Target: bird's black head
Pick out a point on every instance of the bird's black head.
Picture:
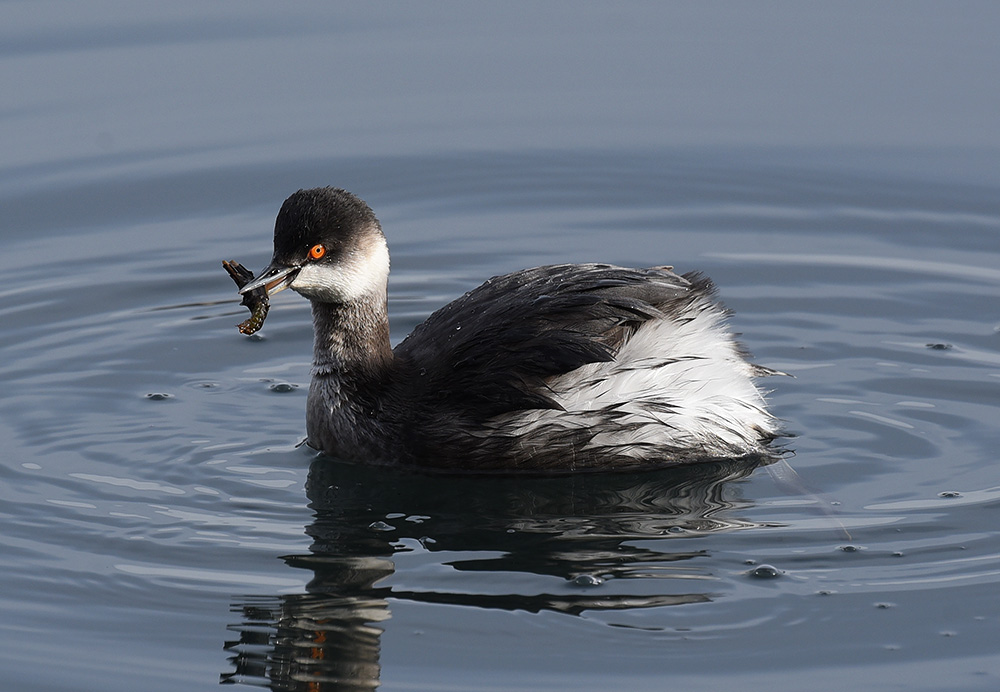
(328, 246)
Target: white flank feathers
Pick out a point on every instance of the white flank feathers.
(677, 383)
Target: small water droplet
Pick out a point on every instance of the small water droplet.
(587, 580)
(939, 347)
(950, 493)
(898, 553)
(282, 387)
(765, 572)
(675, 529)
(158, 396)
(825, 592)
(851, 548)
(749, 562)
(381, 526)
(885, 606)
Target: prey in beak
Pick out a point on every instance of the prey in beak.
(255, 292)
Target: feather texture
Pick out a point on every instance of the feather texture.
(582, 366)
(557, 368)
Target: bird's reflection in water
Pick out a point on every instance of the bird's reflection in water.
(580, 528)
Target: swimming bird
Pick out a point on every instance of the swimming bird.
(567, 367)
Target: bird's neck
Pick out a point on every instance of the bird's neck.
(351, 339)
(352, 373)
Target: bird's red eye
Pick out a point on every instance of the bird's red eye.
(317, 251)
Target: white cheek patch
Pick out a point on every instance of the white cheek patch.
(362, 273)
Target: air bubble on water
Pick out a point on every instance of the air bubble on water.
(851, 548)
(950, 493)
(381, 526)
(158, 396)
(282, 387)
(587, 580)
(765, 572)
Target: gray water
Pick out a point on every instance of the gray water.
(834, 169)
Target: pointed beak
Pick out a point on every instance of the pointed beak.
(273, 279)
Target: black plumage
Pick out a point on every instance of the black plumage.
(484, 383)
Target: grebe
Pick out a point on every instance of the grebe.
(559, 368)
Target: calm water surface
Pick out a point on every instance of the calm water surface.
(163, 528)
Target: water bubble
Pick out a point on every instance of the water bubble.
(158, 396)
(282, 387)
(950, 493)
(587, 580)
(851, 548)
(765, 572)
(939, 347)
(381, 526)
(885, 606)
(825, 592)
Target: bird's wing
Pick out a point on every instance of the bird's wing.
(490, 351)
